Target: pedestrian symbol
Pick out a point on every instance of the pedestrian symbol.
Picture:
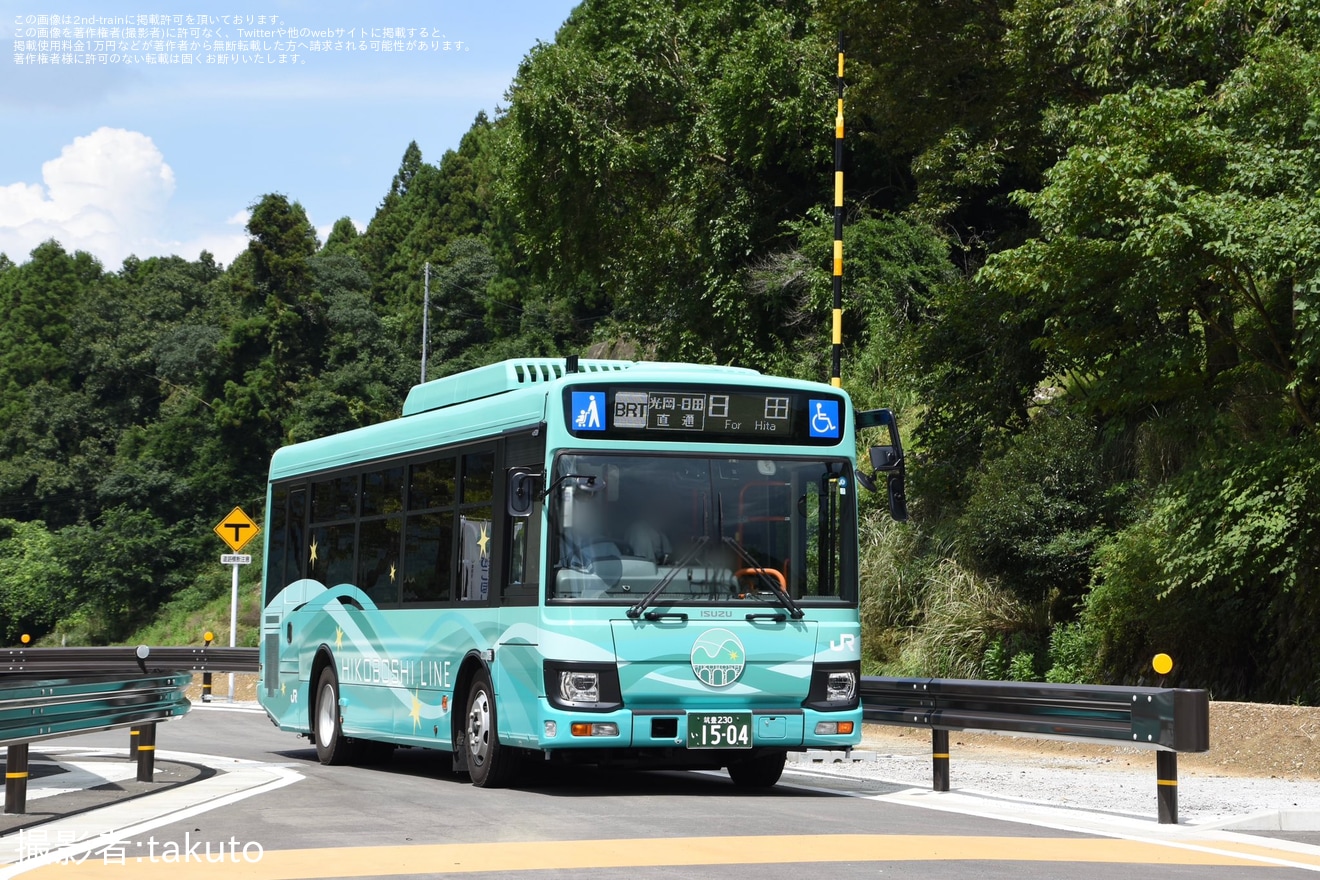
(237, 529)
(586, 410)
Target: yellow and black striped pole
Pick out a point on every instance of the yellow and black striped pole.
(836, 375)
(16, 778)
(939, 759)
(146, 754)
(206, 676)
(1166, 787)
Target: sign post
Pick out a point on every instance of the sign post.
(236, 530)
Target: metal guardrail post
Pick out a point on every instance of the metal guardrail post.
(146, 754)
(939, 756)
(1166, 787)
(1164, 720)
(16, 778)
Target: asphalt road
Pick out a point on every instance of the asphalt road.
(240, 798)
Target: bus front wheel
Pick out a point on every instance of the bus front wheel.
(489, 764)
(332, 747)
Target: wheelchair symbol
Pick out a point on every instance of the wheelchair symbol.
(823, 422)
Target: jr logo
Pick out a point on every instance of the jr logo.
(846, 642)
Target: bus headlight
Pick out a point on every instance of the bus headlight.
(834, 686)
(579, 687)
(572, 684)
(841, 687)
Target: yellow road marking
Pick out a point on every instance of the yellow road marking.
(466, 858)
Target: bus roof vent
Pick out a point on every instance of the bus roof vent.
(496, 379)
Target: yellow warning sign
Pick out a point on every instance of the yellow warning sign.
(237, 529)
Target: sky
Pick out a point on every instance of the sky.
(188, 113)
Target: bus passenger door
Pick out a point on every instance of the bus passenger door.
(518, 679)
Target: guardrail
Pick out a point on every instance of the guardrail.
(144, 659)
(52, 692)
(1166, 720)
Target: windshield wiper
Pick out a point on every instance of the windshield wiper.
(642, 603)
(794, 609)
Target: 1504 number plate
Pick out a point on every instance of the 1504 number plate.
(719, 730)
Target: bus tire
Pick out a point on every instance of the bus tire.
(332, 747)
(762, 771)
(490, 765)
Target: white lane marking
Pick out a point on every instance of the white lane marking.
(243, 708)
(97, 829)
(78, 775)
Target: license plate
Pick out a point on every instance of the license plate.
(719, 730)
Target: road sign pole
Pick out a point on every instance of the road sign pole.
(236, 530)
(233, 624)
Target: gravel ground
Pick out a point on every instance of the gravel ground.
(1226, 784)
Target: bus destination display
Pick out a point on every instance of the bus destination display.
(732, 414)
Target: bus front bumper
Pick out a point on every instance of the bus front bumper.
(699, 730)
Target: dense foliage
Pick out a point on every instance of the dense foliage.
(1081, 263)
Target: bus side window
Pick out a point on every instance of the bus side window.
(476, 505)
(428, 541)
(521, 555)
(295, 555)
(277, 525)
(522, 582)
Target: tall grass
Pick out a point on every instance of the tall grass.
(204, 606)
(925, 614)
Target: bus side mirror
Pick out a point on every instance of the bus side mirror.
(522, 491)
(897, 497)
(887, 459)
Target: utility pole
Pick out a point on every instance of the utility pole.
(426, 312)
(836, 374)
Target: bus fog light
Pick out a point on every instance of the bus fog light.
(600, 728)
(833, 728)
(551, 729)
(841, 687)
(580, 687)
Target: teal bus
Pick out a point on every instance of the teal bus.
(646, 565)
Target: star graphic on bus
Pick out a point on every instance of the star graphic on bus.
(313, 557)
(416, 713)
(393, 572)
(339, 638)
(484, 542)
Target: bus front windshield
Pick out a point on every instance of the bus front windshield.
(696, 529)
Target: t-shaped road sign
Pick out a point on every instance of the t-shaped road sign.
(237, 529)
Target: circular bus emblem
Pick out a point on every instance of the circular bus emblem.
(717, 658)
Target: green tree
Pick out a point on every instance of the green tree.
(30, 572)
(278, 339)
(654, 152)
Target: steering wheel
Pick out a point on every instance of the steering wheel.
(770, 572)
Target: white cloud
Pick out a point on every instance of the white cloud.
(106, 194)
